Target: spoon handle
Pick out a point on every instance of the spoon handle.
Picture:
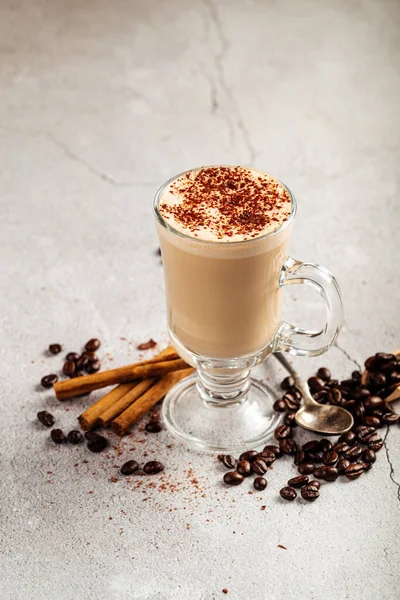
(300, 383)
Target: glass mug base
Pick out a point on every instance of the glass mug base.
(227, 427)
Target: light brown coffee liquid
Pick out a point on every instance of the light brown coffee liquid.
(226, 303)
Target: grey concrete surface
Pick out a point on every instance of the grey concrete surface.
(100, 103)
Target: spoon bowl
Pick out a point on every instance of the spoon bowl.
(326, 419)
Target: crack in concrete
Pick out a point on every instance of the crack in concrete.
(220, 68)
(347, 355)
(93, 170)
(391, 473)
(70, 154)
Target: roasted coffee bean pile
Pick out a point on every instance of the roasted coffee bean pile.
(350, 455)
(75, 364)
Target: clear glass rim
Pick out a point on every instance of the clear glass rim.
(215, 243)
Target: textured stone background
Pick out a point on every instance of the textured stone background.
(100, 103)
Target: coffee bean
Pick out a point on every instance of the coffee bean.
(324, 374)
(340, 447)
(333, 383)
(335, 397)
(227, 460)
(342, 465)
(275, 449)
(388, 390)
(249, 455)
(282, 432)
(306, 468)
(315, 483)
(376, 381)
(57, 435)
(377, 413)
(371, 421)
(287, 383)
(267, 457)
(298, 482)
(395, 377)
(315, 384)
(288, 493)
(330, 458)
(330, 474)
(260, 484)
(364, 432)
(129, 467)
(313, 457)
(361, 393)
(348, 404)
(74, 437)
(359, 413)
(354, 470)
(290, 419)
(300, 457)
(153, 467)
(233, 478)
(93, 366)
(390, 418)
(153, 426)
(288, 446)
(356, 375)
(72, 356)
(69, 368)
(370, 364)
(92, 345)
(383, 358)
(348, 384)
(49, 380)
(82, 362)
(244, 468)
(319, 472)
(369, 456)
(259, 467)
(46, 418)
(353, 453)
(375, 444)
(309, 493)
(373, 402)
(298, 393)
(324, 445)
(91, 356)
(291, 401)
(55, 348)
(311, 446)
(322, 397)
(97, 443)
(390, 367)
(280, 406)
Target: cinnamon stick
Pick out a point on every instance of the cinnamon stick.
(116, 408)
(142, 405)
(91, 417)
(88, 383)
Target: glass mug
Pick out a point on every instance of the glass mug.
(224, 317)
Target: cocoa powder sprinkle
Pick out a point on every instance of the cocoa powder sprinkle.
(228, 202)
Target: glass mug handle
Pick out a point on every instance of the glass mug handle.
(303, 342)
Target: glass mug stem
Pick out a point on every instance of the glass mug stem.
(223, 390)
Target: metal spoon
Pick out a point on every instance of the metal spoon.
(321, 418)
